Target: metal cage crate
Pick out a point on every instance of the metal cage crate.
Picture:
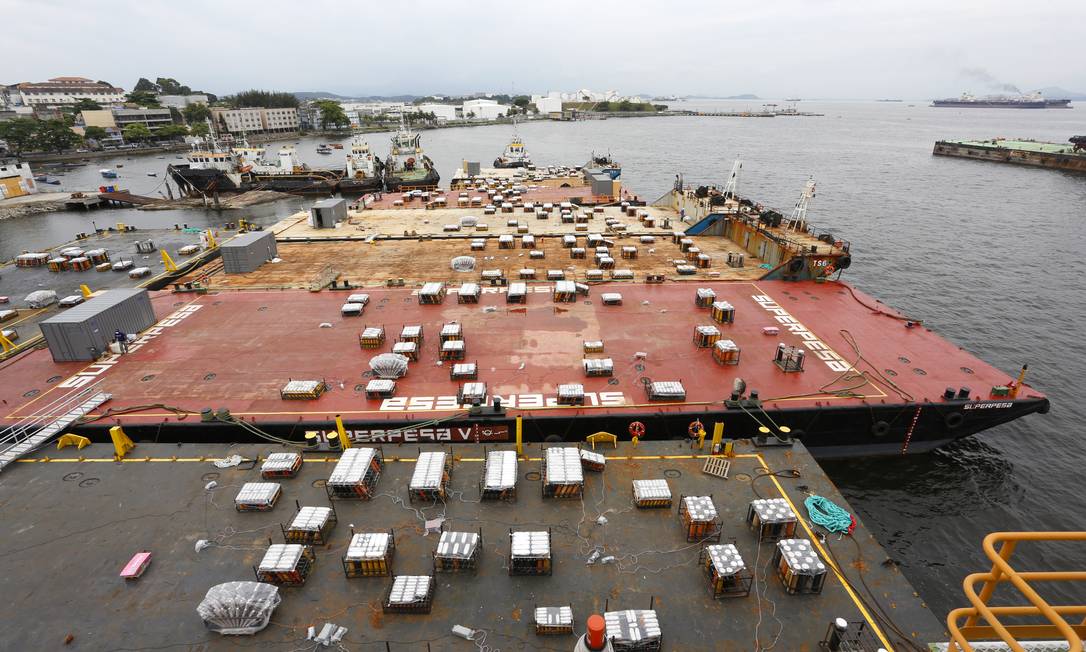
(302, 390)
(633, 630)
(553, 620)
(704, 297)
(464, 371)
(257, 496)
(452, 350)
(571, 394)
(706, 336)
(592, 346)
(473, 393)
(499, 481)
(355, 474)
(432, 293)
(286, 564)
(651, 493)
(370, 554)
(458, 551)
(380, 388)
(666, 390)
(592, 461)
(772, 518)
(409, 594)
(726, 570)
(281, 465)
(530, 553)
(517, 293)
(565, 292)
(411, 333)
(798, 566)
(722, 312)
(562, 474)
(310, 525)
(371, 337)
(699, 518)
(451, 331)
(595, 367)
(430, 477)
(468, 293)
(726, 352)
(409, 350)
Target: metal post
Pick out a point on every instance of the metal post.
(520, 438)
(344, 440)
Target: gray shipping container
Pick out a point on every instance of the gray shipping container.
(602, 184)
(84, 332)
(327, 212)
(472, 168)
(248, 251)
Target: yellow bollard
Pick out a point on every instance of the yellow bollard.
(86, 291)
(121, 443)
(520, 438)
(718, 436)
(72, 440)
(701, 439)
(344, 440)
(634, 440)
(729, 448)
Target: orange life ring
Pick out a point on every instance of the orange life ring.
(694, 428)
(637, 429)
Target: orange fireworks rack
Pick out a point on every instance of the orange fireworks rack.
(430, 477)
(257, 496)
(499, 481)
(722, 312)
(562, 475)
(771, 518)
(553, 620)
(409, 594)
(458, 551)
(706, 336)
(372, 337)
(726, 352)
(651, 493)
(530, 553)
(356, 474)
(798, 566)
(699, 518)
(286, 564)
(311, 525)
(281, 465)
(726, 570)
(369, 554)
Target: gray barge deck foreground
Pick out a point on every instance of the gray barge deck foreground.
(71, 525)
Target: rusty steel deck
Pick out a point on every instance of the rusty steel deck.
(71, 526)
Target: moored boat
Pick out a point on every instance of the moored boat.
(363, 170)
(407, 166)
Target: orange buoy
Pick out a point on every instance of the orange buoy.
(596, 630)
(694, 428)
(637, 429)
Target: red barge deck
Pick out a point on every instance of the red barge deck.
(870, 383)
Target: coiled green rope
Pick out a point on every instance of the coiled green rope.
(827, 514)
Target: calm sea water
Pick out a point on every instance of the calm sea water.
(988, 255)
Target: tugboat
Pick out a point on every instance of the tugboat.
(604, 163)
(324, 149)
(363, 172)
(515, 156)
(407, 166)
(107, 173)
(211, 169)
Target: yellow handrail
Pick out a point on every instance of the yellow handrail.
(1002, 571)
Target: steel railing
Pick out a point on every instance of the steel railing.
(1053, 622)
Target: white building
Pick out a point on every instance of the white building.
(60, 91)
(484, 109)
(548, 104)
(16, 180)
(181, 101)
(442, 111)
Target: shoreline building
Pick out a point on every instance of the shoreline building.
(256, 120)
(62, 91)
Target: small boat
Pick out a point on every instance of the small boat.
(152, 174)
(160, 157)
(324, 150)
(120, 165)
(179, 156)
(41, 178)
(515, 155)
(336, 145)
(107, 173)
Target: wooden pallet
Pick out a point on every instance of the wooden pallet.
(717, 466)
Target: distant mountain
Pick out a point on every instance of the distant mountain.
(1057, 93)
(318, 95)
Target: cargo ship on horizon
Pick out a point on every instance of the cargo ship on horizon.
(1031, 101)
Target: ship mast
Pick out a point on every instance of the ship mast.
(731, 189)
(799, 212)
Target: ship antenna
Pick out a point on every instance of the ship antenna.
(799, 212)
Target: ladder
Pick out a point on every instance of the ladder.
(36, 430)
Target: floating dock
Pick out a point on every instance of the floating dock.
(98, 513)
(1058, 156)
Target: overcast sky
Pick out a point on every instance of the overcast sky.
(813, 48)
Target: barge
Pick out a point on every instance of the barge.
(1057, 156)
(578, 313)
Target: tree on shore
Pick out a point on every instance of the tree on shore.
(171, 131)
(332, 114)
(263, 99)
(29, 134)
(142, 98)
(199, 129)
(197, 112)
(97, 134)
(86, 104)
(136, 133)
